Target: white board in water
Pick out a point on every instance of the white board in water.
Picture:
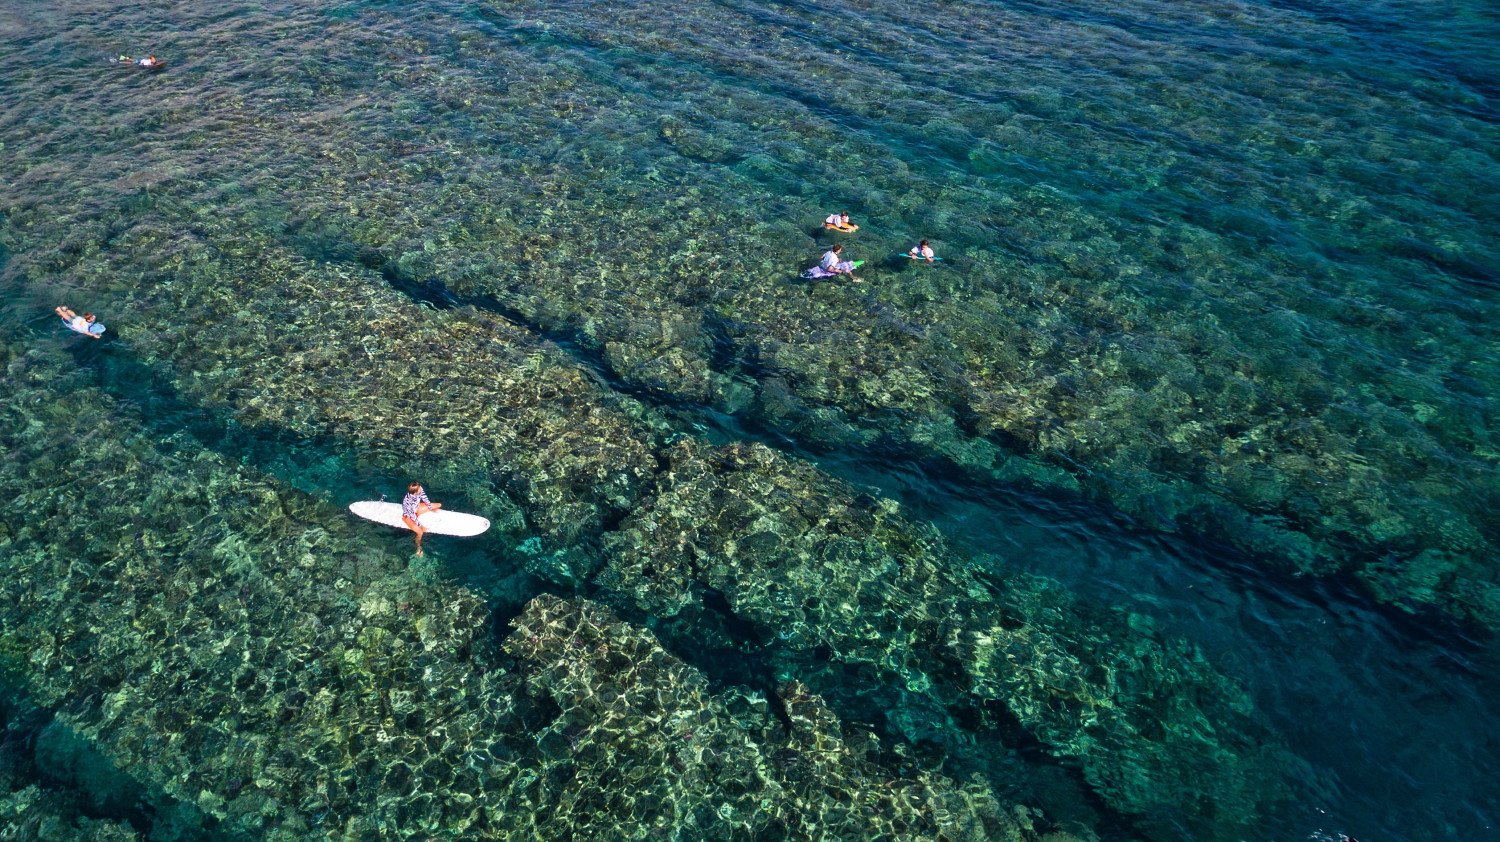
(86, 330)
(440, 522)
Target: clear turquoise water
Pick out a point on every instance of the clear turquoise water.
(1211, 350)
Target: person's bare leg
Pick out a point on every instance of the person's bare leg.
(411, 523)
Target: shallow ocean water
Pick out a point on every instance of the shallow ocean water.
(1211, 350)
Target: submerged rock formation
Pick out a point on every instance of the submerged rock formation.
(816, 570)
(239, 649)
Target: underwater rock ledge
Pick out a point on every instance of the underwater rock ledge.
(608, 502)
(244, 652)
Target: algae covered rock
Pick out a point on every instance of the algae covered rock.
(1199, 368)
(638, 735)
(1155, 729)
(230, 654)
(838, 590)
(817, 571)
(362, 259)
(219, 652)
(80, 797)
(461, 398)
(35, 813)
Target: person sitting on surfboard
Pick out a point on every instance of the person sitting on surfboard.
(414, 505)
(922, 250)
(839, 222)
(84, 324)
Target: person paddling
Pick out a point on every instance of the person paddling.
(833, 263)
(840, 222)
(922, 251)
(413, 506)
(84, 324)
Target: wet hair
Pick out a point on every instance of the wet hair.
(924, 242)
(88, 317)
(838, 247)
(843, 213)
(412, 488)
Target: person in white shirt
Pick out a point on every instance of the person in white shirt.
(833, 263)
(839, 222)
(922, 251)
(84, 324)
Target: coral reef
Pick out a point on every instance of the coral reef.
(1197, 370)
(498, 247)
(462, 399)
(1156, 730)
(56, 810)
(1231, 312)
(798, 556)
(243, 652)
(640, 734)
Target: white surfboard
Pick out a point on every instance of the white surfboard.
(440, 522)
(86, 330)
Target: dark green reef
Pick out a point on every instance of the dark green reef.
(516, 249)
(273, 637)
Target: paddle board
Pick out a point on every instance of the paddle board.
(820, 272)
(86, 330)
(923, 259)
(440, 522)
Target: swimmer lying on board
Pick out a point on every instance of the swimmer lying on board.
(833, 264)
(839, 222)
(84, 324)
